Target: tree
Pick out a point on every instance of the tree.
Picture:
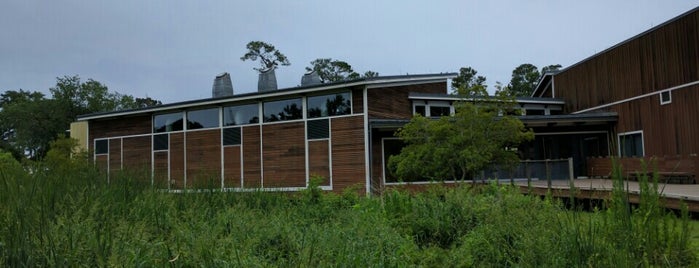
(459, 146)
(550, 69)
(524, 80)
(146, 102)
(268, 55)
(331, 70)
(468, 84)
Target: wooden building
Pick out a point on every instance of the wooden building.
(651, 81)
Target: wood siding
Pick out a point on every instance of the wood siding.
(662, 58)
(283, 147)
(122, 126)
(231, 166)
(177, 176)
(114, 154)
(348, 166)
(204, 159)
(393, 102)
(160, 169)
(319, 160)
(251, 157)
(137, 154)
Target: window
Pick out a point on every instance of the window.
(535, 112)
(282, 110)
(665, 97)
(438, 111)
(241, 115)
(420, 109)
(318, 129)
(167, 122)
(231, 136)
(391, 147)
(161, 142)
(329, 105)
(102, 146)
(631, 144)
(202, 118)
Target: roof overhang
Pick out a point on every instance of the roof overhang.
(368, 82)
(570, 119)
(449, 97)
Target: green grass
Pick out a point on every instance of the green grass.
(69, 216)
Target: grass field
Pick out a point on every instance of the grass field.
(67, 215)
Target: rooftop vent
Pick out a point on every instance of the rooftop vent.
(222, 86)
(310, 78)
(267, 80)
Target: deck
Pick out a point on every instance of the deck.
(674, 194)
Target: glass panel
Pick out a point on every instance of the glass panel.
(167, 122)
(282, 110)
(329, 105)
(161, 142)
(231, 136)
(631, 145)
(202, 118)
(436, 111)
(241, 115)
(318, 129)
(420, 109)
(101, 146)
(391, 147)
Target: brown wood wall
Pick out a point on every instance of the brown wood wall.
(347, 141)
(204, 158)
(660, 59)
(133, 125)
(114, 154)
(393, 102)
(251, 157)
(284, 162)
(160, 169)
(231, 166)
(177, 178)
(137, 153)
(319, 160)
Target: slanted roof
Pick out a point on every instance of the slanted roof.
(367, 81)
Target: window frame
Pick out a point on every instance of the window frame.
(218, 117)
(101, 140)
(669, 97)
(154, 118)
(327, 96)
(301, 107)
(256, 105)
(631, 133)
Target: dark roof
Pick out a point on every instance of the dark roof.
(450, 97)
(528, 120)
(280, 92)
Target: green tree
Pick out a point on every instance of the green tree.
(524, 80)
(267, 54)
(468, 83)
(371, 74)
(550, 69)
(331, 70)
(458, 146)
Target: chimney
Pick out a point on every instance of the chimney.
(310, 78)
(222, 86)
(267, 80)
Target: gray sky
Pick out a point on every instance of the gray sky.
(172, 50)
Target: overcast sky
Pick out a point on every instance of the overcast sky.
(172, 50)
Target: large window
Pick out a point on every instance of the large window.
(167, 122)
(283, 110)
(202, 118)
(329, 105)
(241, 115)
(631, 144)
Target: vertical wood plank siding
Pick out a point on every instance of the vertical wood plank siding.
(393, 102)
(319, 161)
(347, 139)
(137, 154)
(662, 58)
(251, 157)
(119, 127)
(160, 167)
(204, 159)
(114, 154)
(231, 166)
(284, 162)
(101, 161)
(177, 161)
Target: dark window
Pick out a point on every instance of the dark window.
(167, 122)
(631, 144)
(241, 115)
(329, 105)
(420, 109)
(282, 110)
(390, 148)
(231, 136)
(202, 118)
(318, 129)
(161, 142)
(437, 111)
(101, 146)
(665, 97)
(536, 112)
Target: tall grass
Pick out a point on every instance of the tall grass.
(70, 216)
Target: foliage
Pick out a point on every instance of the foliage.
(331, 70)
(456, 147)
(269, 56)
(526, 77)
(466, 83)
(29, 121)
(550, 69)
